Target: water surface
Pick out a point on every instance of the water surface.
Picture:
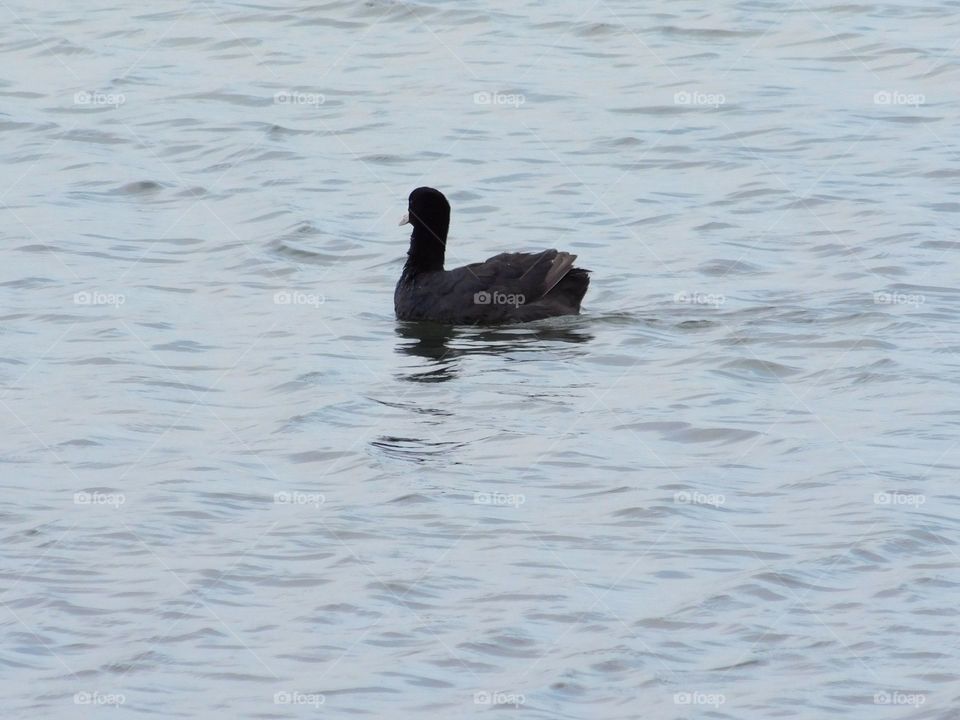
(236, 487)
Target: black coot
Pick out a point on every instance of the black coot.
(507, 288)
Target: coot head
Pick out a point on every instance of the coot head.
(429, 213)
(428, 209)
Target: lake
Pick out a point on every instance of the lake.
(235, 486)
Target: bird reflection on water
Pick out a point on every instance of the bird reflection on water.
(445, 345)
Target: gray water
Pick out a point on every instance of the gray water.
(234, 486)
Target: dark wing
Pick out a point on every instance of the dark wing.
(532, 275)
(503, 288)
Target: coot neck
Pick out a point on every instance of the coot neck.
(428, 246)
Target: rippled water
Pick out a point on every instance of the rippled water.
(234, 486)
